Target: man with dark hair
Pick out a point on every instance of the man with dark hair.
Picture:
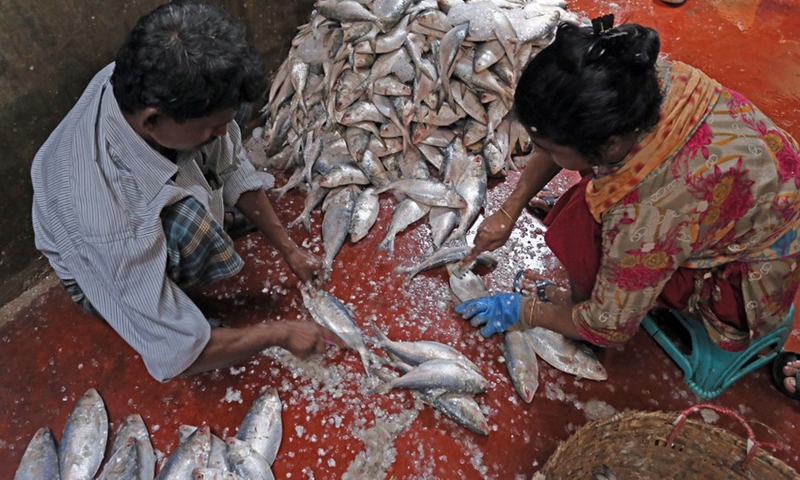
(130, 190)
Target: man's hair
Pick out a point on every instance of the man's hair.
(586, 86)
(188, 59)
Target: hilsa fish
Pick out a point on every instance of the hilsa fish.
(133, 427)
(523, 367)
(190, 454)
(262, 427)
(416, 353)
(566, 354)
(40, 460)
(438, 377)
(246, 462)
(84, 440)
(332, 314)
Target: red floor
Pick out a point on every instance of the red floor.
(333, 428)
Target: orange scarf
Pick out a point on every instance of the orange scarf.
(690, 98)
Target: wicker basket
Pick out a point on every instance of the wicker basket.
(657, 445)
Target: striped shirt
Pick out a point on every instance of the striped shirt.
(99, 189)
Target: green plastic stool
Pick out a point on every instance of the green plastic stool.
(707, 369)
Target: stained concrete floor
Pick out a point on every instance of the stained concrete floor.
(52, 353)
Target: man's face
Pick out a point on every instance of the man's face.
(190, 135)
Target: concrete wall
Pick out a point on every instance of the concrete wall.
(48, 52)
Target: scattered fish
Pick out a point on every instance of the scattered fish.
(84, 440)
(124, 463)
(246, 462)
(262, 427)
(566, 354)
(40, 460)
(523, 367)
(190, 455)
(332, 314)
(418, 352)
(468, 287)
(133, 427)
(438, 377)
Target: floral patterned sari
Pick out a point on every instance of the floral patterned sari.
(704, 220)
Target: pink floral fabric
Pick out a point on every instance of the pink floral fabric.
(730, 196)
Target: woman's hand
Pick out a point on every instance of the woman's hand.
(492, 234)
(305, 265)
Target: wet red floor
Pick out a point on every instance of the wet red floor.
(52, 352)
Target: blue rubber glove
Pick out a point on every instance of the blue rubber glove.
(495, 313)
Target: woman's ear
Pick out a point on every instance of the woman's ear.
(617, 147)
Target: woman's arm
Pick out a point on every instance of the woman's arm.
(495, 230)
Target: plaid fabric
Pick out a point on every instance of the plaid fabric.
(76, 294)
(199, 251)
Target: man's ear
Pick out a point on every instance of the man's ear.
(148, 118)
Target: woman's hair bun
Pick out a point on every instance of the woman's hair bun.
(627, 44)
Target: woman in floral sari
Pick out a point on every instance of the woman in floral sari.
(689, 196)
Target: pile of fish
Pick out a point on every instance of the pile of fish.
(200, 455)
(408, 96)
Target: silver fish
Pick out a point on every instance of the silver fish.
(336, 223)
(365, 213)
(216, 453)
(40, 460)
(246, 462)
(442, 257)
(442, 221)
(450, 45)
(262, 427)
(83, 442)
(523, 367)
(468, 287)
(472, 188)
(487, 54)
(390, 10)
(463, 409)
(344, 174)
(418, 352)
(332, 314)
(313, 198)
(391, 85)
(566, 354)
(214, 474)
(406, 212)
(438, 376)
(345, 11)
(394, 39)
(123, 464)
(429, 192)
(134, 426)
(191, 454)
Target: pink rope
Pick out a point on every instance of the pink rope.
(752, 443)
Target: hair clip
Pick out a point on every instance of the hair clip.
(602, 24)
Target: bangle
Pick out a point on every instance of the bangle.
(507, 215)
(532, 302)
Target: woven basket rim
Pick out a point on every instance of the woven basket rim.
(640, 438)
